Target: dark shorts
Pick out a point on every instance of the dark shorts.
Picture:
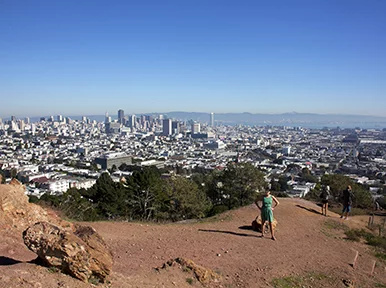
(346, 208)
(324, 201)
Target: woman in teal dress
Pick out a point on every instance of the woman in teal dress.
(267, 212)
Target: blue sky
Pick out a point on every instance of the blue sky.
(89, 57)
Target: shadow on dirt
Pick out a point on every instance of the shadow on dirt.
(6, 261)
(309, 209)
(229, 232)
(246, 227)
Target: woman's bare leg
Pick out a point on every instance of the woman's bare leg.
(272, 233)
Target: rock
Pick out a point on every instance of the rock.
(18, 212)
(348, 283)
(202, 274)
(256, 224)
(82, 254)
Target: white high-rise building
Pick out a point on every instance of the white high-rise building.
(196, 128)
(132, 121)
(211, 120)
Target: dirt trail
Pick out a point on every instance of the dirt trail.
(307, 244)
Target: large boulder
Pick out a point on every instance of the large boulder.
(82, 254)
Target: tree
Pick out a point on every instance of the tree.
(275, 186)
(212, 187)
(241, 183)
(13, 173)
(338, 183)
(2, 176)
(186, 200)
(108, 196)
(283, 183)
(76, 207)
(145, 193)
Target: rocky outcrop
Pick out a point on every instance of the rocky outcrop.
(82, 254)
(17, 213)
(15, 210)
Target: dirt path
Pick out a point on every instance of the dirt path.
(308, 244)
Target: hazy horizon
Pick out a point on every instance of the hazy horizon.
(89, 57)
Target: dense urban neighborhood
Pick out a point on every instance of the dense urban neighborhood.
(58, 153)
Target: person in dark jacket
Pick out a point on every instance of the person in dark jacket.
(347, 202)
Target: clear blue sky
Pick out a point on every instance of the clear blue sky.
(88, 57)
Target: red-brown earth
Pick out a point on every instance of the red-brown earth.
(310, 250)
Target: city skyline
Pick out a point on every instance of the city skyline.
(86, 58)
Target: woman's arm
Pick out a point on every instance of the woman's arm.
(257, 202)
(275, 200)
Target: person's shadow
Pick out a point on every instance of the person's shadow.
(309, 209)
(229, 232)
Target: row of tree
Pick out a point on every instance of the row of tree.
(146, 195)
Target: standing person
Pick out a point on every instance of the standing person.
(347, 202)
(267, 212)
(324, 197)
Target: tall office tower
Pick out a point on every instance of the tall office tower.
(21, 125)
(69, 121)
(84, 119)
(175, 127)
(132, 121)
(161, 117)
(196, 128)
(1, 121)
(13, 118)
(211, 119)
(121, 116)
(59, 118)
(143, 119)
(107, 118)
(167, 127)
(26, 120)
(52, 119)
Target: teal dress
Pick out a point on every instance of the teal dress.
(266, 210)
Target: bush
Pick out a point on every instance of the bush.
(217, 210)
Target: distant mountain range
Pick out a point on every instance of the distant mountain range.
(309, 120)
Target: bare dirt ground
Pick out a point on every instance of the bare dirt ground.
(310, 249)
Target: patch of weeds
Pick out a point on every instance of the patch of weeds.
(287, 282)
(186, 269)
(93, 280)
(378, 242)
(381, 256)
(354, 235)
(308, 280)
(189, 281)
(380, 285)
(335, 225)
(53, 269)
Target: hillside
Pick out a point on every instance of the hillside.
(310, 249)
